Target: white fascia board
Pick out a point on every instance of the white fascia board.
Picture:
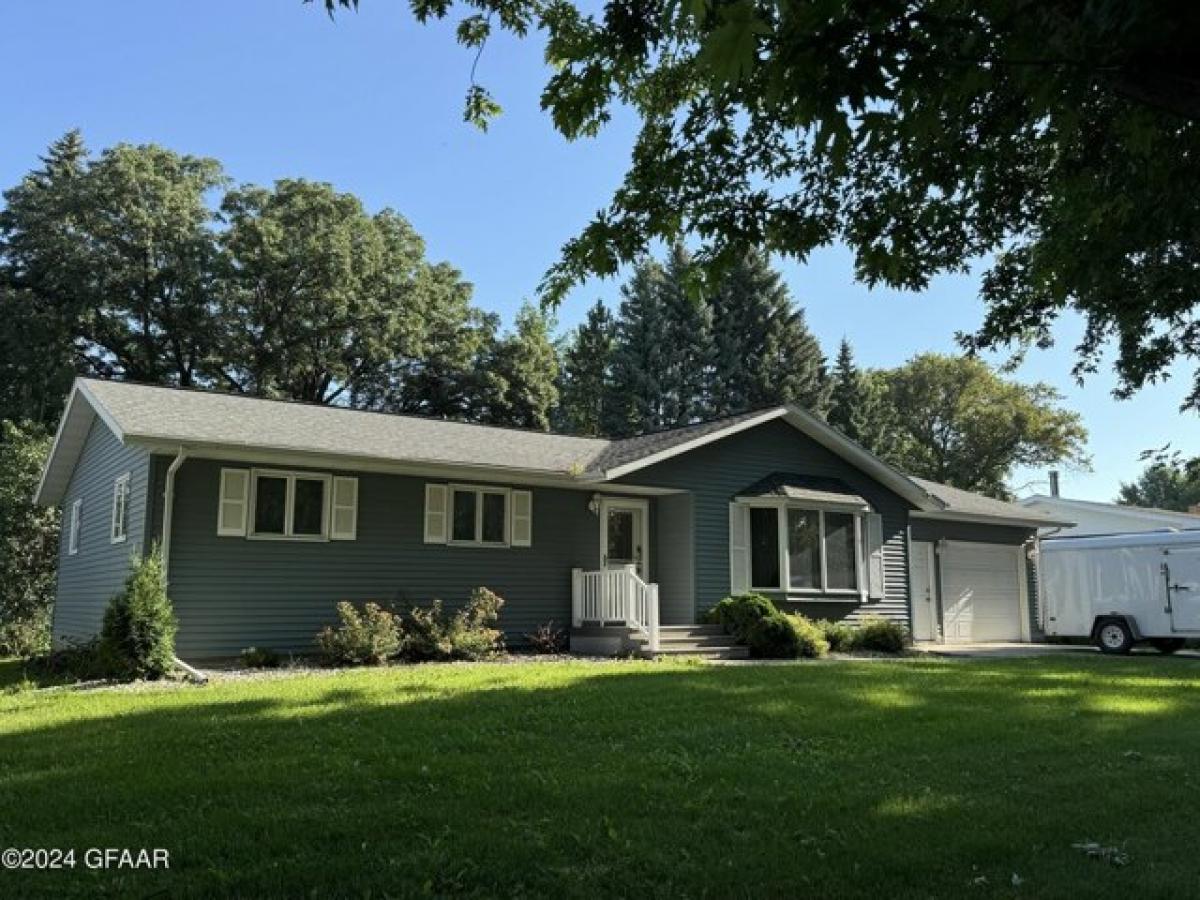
(80, 402)
(100, 410)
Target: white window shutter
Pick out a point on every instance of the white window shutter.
(436, 496)
(739, 549)
(522, 518)
(234, 503)
(875, 556)
(344, 525)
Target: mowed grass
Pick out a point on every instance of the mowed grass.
(900, 779)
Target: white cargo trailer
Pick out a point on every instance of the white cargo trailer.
(1120, 589)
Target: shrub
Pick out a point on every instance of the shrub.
(261, 658)
(25, 638)
(880, 635)
(425, 633)
(363, 638)
(547, 639)
(773, 637)
(430, 633)
(738, 614)
(838, 635)
(783, 636)
(74, 661)
(137, 639)
(810, 637)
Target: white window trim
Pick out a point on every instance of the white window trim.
(289, 505)
(120, 510)
(75, 528)
(821, 594)
(479, 490)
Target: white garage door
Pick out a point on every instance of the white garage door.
(981, 592)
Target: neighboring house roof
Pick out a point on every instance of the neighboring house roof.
(233, 426)
(1093, 518)
(965, 506)
(814, 489)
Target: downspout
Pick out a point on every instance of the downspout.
(168, 516)
(169, 509)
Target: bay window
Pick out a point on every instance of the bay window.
(764, 546)
(803, 550)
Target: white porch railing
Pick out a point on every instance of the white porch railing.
(615, 597)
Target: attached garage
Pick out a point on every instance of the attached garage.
(969, 578)
(983, 593)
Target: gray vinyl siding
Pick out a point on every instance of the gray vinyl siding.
(714, 474)
(230, 593)
(674, 559)
(88, 579)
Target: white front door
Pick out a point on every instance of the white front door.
(924, 592)
(623, 534)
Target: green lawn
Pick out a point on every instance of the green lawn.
(909, 778)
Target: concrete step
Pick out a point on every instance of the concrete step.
(699, 640)
(690, 629)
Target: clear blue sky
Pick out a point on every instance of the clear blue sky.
(372, 103)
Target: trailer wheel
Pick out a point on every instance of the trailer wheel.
(1114, 636)
(1167, 645)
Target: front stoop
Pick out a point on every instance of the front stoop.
(705, 641)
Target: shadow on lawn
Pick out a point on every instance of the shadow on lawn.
(599, 779)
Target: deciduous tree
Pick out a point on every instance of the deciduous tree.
(28, 541)
(521, 375)
(1057, 140)
(960, 423)
(1169, 482)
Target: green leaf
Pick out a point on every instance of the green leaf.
(730, 51)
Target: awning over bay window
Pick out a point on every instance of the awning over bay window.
(811, 490)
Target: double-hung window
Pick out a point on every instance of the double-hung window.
(479, 515)
(289, 505)
(802, 550)
(120, 509)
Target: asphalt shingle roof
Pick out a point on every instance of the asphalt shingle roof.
(960, 501)
(804, 487)
(201, 417)
(194, 417)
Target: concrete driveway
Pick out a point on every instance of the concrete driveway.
(1000, 650)
(1007, 650)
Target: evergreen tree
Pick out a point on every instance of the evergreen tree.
(847, 395)
(687, 344)
(522, 374)
(41, 265)
(763, 352)
(635, 394)
(584, 376)
(858, 405)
